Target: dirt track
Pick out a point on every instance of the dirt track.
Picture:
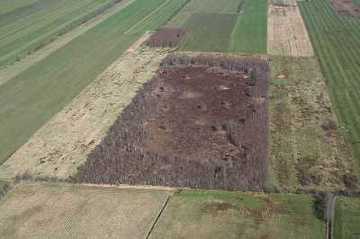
(287, 34)
(193, 125)
(60, 146)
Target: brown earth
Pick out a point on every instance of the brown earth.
(201, 122)
(166, 37)
(346, 7)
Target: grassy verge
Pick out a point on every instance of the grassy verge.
(215, 214)
(347, 218)
(336, 40)
(308, 150)
(24, 29)
(34, 96)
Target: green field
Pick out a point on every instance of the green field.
(204, 6)
(216, 214)
(347, 218)
(209, 32)
(30, 99)
(224, 26)
(250, 32)
(336, 40)
(356, 2)
(10, 5)
(26, 28)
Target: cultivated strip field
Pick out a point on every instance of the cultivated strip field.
(29, 27)
(336, 40)
(10, 5)
(347, 218)
(287, 34)
(308, 151)
(16, 68)
(204, 7)
(234, 26)
(31, 98)
(210, 214)
(32, 210)
(63, 144)
(250, 32)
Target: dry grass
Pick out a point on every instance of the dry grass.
(308, 151)
(72, 211)
(287, 34)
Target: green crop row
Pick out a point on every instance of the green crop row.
(28, 28)
(224, 26)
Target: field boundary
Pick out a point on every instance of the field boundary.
(158, 217)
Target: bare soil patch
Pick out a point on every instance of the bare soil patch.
(61, 145)
(346, 7)
(200, 122)
(166, 37)
(287, 34)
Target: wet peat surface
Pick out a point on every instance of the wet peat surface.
(166, 37)
(200, 122)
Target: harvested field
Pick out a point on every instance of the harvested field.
(287, 34)
(62, 144)
(221, 143)
(33, 211)
(308, 149)
(234, 215)
(166, 37)
(346, 7)
(283, 2)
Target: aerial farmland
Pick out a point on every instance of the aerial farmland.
(185, 119)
